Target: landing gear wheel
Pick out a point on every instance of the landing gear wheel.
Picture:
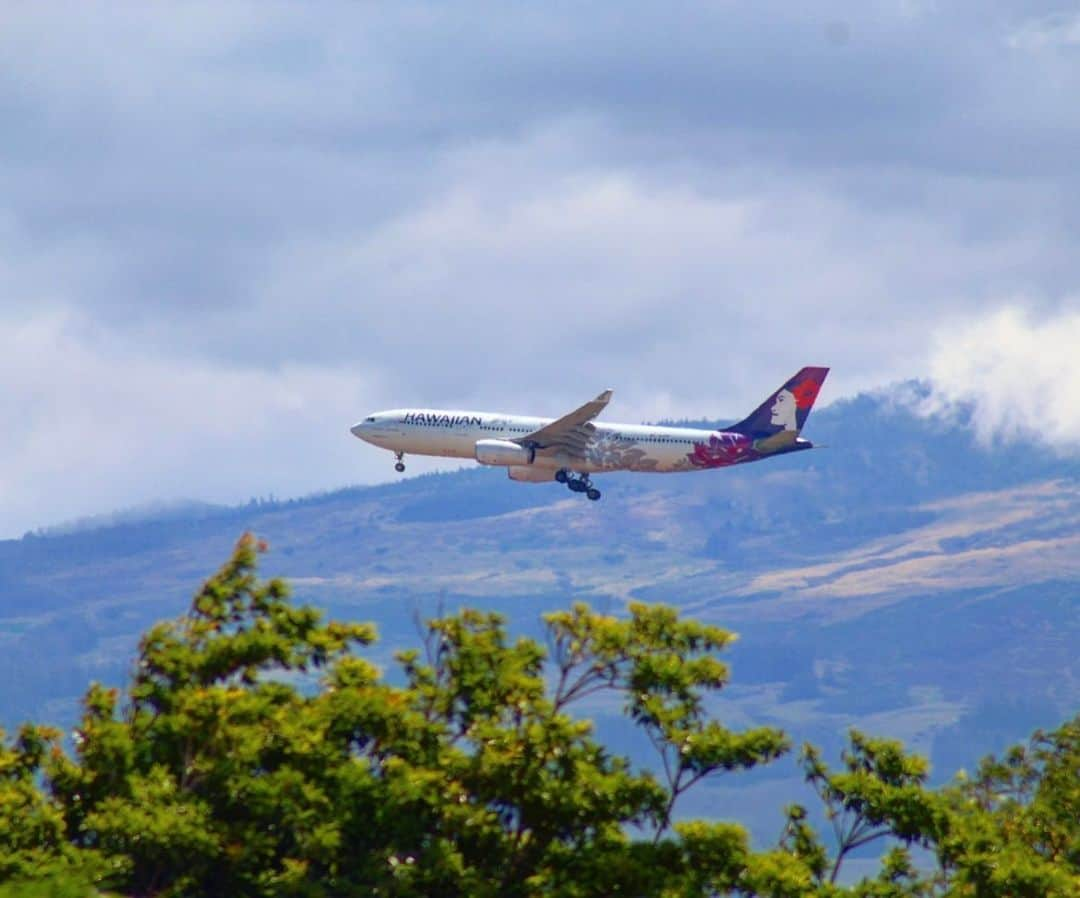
(561, 476)
(400, 467)
(577, 486)
(593, 493)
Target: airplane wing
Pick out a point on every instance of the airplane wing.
(570, 432)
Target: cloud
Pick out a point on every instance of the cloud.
(484, 206)
(709, 285)
(1018, 373)
(96, 425)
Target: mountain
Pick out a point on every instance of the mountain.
(906, 581)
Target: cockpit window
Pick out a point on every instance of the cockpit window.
(370, 420)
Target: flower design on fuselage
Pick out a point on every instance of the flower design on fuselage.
(616, 452)
(723, 449)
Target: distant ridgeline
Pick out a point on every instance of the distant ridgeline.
(905, 579)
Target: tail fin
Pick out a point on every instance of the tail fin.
(785, 410)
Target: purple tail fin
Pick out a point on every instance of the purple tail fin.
(786, 409)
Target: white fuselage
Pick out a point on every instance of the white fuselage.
(608, 447)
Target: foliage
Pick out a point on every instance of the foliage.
(54, 884)
(256, 753)
(880, 793)
(1015, 826)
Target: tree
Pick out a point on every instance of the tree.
(880, 794)
(32, 834)
(255, 752)
(224, 771)
(1014, 829)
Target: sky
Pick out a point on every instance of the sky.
(230, 230)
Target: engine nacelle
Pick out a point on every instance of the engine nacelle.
(503, 452)
(530, 474)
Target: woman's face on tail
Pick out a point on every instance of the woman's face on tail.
(783, 410)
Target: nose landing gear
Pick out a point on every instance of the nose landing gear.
(400, 466)
(578, 483)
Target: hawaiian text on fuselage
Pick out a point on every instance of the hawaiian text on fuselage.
(437, 420)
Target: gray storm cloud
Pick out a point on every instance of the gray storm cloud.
(225, 234)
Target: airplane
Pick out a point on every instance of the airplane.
(571, 448)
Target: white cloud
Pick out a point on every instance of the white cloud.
(202, 215)
(1021, 375)
(528, 284)
(96, 425)
(532, 280)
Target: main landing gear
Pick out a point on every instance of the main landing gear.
(400, 466)
(578, 483)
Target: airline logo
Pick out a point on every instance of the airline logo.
(436, 419)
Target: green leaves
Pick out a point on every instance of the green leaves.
(31, 827)
(880, 792)
(664, 668)
(225, 770)
(1014, 830)
(237, 629)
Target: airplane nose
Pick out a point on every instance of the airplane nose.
(357, 430)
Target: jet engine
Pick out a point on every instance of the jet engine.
(530, 474)
(503, 452)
